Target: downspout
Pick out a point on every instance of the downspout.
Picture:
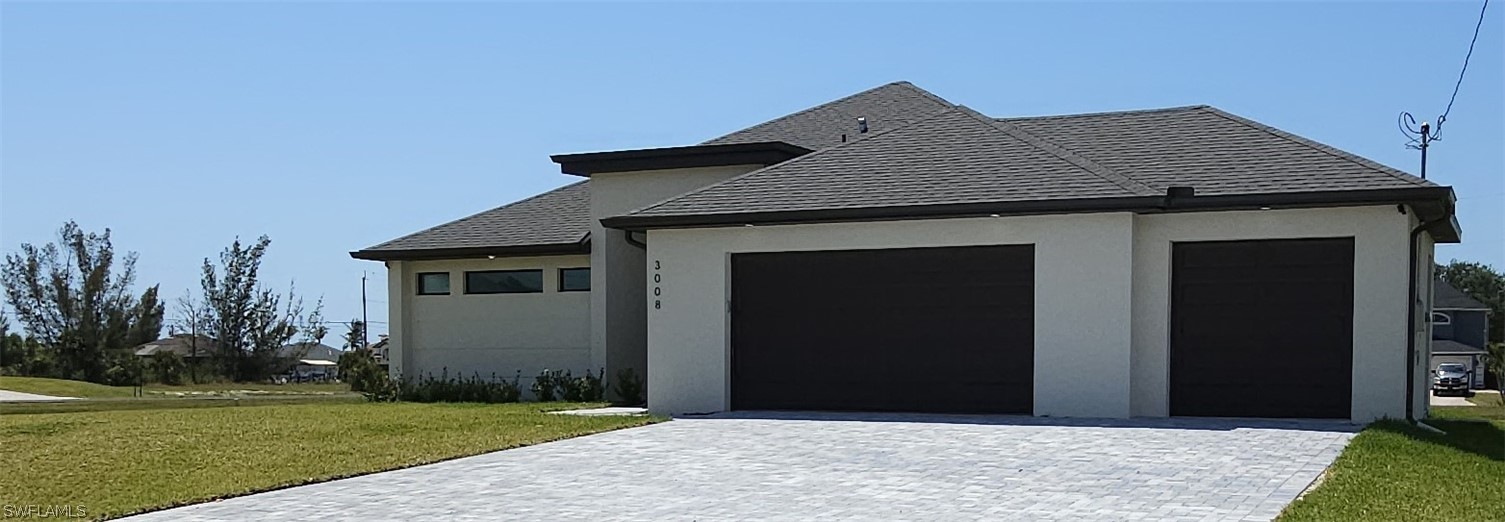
(634, 241)
(1411, 306)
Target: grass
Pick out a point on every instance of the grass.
(89, 390)
(124, 404)
(119, 462)
(1395, 471)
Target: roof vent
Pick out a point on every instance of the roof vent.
(1180, 192)
(862, 125)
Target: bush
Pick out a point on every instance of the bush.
(360, 369)
(168, 367)
(590, 388)
(123, 370)
(546, 384)
(629, 388)
(447, 389)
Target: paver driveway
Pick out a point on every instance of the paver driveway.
(844, 466)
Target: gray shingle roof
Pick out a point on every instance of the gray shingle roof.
(885, 107)
(1212, 150)
(558, 217)
(1448, 297)
(952, 157)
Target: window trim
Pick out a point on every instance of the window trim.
(540, 289)
(1446, 319)
(561, 271)
(418, 283)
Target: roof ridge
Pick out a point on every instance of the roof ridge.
(899, 83)
(1125, 182)
(1107, 113)
(792, 161)
(1319, 146)
(477, 214)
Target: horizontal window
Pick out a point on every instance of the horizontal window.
(433, 283)
(504, 282)
(574, 279)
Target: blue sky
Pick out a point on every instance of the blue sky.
(335, 126)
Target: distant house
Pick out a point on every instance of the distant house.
(312, 361)
(185, 345)
(1460, 330)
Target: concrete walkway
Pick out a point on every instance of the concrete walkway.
(15, 396)
(1450, 400)
(779, 466)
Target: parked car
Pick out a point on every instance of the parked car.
(1450, 377)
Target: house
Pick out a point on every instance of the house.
(311, 361)
(891, 250)
(1460, 330)
(186, 346)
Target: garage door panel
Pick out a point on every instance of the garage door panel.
(932, 329)
(1262, 328)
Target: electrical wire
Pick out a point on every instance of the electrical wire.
(1464, 70)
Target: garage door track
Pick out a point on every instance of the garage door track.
(790, 466)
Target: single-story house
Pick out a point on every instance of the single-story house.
(891, 250)
(186, 346)
(1460, 330)
(311, 361)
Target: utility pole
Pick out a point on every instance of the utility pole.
(366, 324)
(1426, 139)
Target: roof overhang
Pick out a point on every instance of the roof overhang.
(761, 153)
(582, 247)
(1429, 203)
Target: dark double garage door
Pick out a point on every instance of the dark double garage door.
(926, 329)
(1258, 329)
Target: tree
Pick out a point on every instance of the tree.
(249, 321)
(69, 296)
(355, 334)
(196, 317)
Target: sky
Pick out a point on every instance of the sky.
(335, 126)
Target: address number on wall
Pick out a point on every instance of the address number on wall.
(658, 291)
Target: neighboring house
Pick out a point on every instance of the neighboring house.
(185, 345)
(1460, 330)
(312, 360)
(893, 251)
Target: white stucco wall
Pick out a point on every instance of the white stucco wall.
(1101, 296)
(1379, 335)
(489, 333)
(1082, 301)
(619, 338)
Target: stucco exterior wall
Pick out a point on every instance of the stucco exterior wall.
(1082, 301)
(1101, 295)
(489, 333)
(619, 339)
(1379, 336)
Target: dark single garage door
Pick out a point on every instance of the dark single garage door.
(1262, 328)
(923, 329)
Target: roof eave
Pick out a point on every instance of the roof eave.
(1430, 203)
(759, 153)
(551, 249)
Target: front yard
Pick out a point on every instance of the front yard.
(118, 462)
(1394, 471)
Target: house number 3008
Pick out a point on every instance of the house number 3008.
(657, 290)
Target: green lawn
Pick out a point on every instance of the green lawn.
(119, 462)
(1394, 471)
(89, 390)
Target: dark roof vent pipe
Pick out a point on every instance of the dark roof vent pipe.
(1174, 194)
(862, 125)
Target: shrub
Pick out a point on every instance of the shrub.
(591, 387)
(629, 388)
(123, 370)
(168, 367)
(546, 384)
(447, 389)
(360, 369)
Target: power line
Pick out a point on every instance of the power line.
(1464, 70)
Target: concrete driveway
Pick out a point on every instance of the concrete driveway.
(779, 466)
(15, 396)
